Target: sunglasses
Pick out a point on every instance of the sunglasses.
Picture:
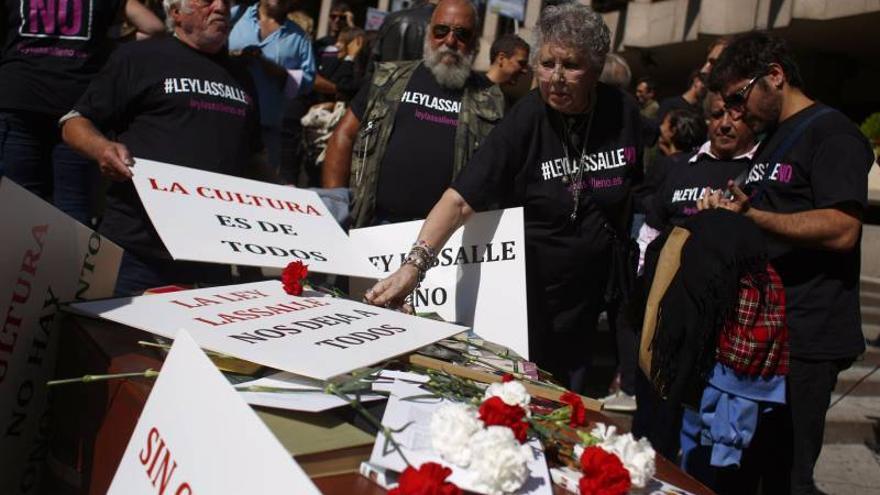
(441, 31)
(735, 104)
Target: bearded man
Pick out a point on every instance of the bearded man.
(414, 127)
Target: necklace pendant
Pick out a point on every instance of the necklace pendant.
(573, 216)
(565, 179)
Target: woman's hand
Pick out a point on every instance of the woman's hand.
(392, 291)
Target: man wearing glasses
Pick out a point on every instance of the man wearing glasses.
(410, 131)
(807, 189)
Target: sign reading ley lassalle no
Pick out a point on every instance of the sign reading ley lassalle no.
(216, 218)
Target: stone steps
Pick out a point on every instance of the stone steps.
(848, 380)
(853, 420)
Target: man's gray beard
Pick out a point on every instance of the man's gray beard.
(449, 76)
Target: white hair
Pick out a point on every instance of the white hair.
(170, 4)
(577, 26)
(449, 76)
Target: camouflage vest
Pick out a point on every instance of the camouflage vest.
(481, 109)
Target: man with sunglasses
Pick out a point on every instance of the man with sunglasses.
(807, 189)
(410, 131)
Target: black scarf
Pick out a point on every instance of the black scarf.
(723, 246)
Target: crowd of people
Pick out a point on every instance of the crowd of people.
(719, 228)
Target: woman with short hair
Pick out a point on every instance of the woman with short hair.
(568, 153)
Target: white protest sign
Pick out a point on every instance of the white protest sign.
(46, 259)
(216, 218)
(315, 335)
(196, 435)
(479, 280)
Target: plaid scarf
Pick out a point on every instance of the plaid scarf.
(754, 341)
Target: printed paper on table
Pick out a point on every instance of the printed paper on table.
(216, 218)
(196, 435)
(480, 279)
(315, 335)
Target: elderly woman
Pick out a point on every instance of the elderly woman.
(567, 153)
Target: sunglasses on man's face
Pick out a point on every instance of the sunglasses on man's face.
(735, 103)
(441, 31)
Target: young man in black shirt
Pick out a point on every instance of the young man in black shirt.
(180, 100)
(807, 189)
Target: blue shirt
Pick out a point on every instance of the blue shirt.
(288, 47)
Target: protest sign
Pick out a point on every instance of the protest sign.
(205, 216)
(315, 335)
(46, 259)
(196, 435)
(478, 281)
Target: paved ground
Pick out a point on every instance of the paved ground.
(848, 469)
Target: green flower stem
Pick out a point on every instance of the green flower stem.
(332, 389)
(504, 355)
(518, 376)
(149, 373)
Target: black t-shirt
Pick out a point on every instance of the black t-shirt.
(418, 161)
(826, 167)
(522, 163)
(676, 198)
(49, 55)
(168, 102)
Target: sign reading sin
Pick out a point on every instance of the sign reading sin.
(64, 17)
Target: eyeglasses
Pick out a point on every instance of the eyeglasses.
(564, 71)
(735, 104)
(441, 31)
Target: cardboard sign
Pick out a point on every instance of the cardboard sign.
(196, 435)
(216, 218)
(479, 280)
(46, 259)
(315, 335)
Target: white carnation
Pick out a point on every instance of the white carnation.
(498, 461)
(513, 393)
(603, 432)
(452, 427)
(637, 456)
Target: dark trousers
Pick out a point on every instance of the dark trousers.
(810, 384)
(33, 155)
(137, 274)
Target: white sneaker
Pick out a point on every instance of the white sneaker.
(619, 401)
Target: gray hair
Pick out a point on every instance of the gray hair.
(576, 26)
(616, 72)
(170, 4)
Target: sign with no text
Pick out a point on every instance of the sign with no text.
(478, 280)
(205, 216)
(314, 335)
(209, 442)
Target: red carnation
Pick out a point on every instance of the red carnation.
(427, 480)
(507, 377)
(495, 412)
(292, 277)
(604, 474)
(578, 412)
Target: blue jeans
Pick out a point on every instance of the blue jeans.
(33, 155)
(137, 274)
